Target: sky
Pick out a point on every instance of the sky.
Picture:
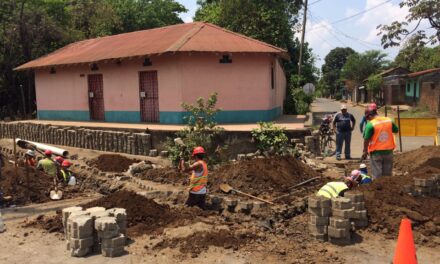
(324, 32)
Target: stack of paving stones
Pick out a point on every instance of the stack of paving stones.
(320, 210)
(333, 219)
(427, 187)
(104, 140)
(359, 217)
(312, 143)
(95, 230)
(339, 229)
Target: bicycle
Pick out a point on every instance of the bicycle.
(327, 141)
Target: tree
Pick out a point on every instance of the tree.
(419, 11)
(331, 69)
(359, 66)
(416, 57)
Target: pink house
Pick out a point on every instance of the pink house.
(144, 76)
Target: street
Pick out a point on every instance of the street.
(329, 105)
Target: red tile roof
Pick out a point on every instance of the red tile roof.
(190, 37)
(416, 74)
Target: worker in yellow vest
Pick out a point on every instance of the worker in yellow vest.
(47, 164)
(198, 180)
(379, 143)
(66, 174)
(336, 189)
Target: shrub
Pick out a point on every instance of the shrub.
(271, 138)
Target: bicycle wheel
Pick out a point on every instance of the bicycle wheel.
(328, 147)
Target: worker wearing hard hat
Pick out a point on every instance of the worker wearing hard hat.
(360, 178)
(66, 174)
(198, 180)
(29, 158)
(336, 189)
(47, 164)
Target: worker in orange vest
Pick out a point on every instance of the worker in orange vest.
(379, 143)
(198, 180)
(29, 158)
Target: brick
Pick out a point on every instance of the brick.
(245, 205)
(95, 209)
(360, 214)
(326, 211)
(317, 229)
(80, 226)
(108, 234)
(80, 252)
(112, 252)
(119, 213)
(355, 197)
(67, 211)
(318, 236)
(341, 203)
(318, 202)
(73, 215)
(359, 206)
(360, 222)
(347, 213)
(339, 222)
(231, 203)
(424, 190)
(338, 232)
(106, 224)
(423, 182)
(340, 241)
(114, 242)
(81, 243)
(319, 220)
(99, 214)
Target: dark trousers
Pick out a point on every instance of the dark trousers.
(196, 200)
(342, 137)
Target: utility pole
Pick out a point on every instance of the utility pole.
(302, 38)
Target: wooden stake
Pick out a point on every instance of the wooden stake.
(15, 165)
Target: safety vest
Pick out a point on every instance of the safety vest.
(66, 175)
(332, 189)
(382, 138)
(365, 179)
(199, 180)
(30, 162)
(48, 166)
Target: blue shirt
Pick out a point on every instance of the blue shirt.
(343, 121)
(362, 124)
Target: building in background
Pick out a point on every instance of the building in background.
(144, 76)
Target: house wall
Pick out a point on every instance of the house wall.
(430, 93)
(244, 88)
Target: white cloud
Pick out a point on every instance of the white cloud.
(188, 19)
(319, 37)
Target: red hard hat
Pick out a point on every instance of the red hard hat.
(198, 150)
(372, 106)
(59, 159)
(66, 163)
(48, 152)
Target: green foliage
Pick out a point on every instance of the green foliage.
(419, 11)
(270, 138)
(359, 66)
(374, 83)
(297, 101)
(201, 130)
(331, 69)
(31, 29)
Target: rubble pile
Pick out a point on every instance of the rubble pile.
(113, 163)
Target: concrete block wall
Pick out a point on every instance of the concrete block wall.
(105, 140)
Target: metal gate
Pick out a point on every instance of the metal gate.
(96, 97)
(149, 96)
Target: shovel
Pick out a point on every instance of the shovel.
(227, 189)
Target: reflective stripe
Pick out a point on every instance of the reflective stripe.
(330, 194)
(332, 189)
(199, 180)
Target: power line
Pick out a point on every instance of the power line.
(359, 13)
(317, 1)
(330, 31)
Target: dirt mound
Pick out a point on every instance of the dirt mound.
(145, 216)
(163, 175)
(113, 163)
(39, 186)
(257, 176)
(419, 159)
(387, 203)
(50, 224)
(199, 242)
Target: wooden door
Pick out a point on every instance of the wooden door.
(149, 96)
(96, 97)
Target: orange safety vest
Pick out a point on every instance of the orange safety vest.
(382, 138)
(199, 180)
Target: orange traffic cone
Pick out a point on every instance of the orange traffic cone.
(405, 251)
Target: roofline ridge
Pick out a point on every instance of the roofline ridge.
(244, 36)
(176, 46)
